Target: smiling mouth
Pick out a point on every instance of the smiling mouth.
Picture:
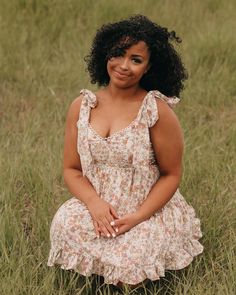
(121, 75)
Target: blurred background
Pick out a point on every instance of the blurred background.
(42, 69)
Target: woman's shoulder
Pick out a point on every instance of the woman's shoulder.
(76, 104)
(171, 101)
(74, 109)
(167, 127)
(164, 108)
(84, 96)
(87, 99)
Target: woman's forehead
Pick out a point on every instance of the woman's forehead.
(128, 44)
(139, 48)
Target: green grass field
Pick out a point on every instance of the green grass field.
(42, 46)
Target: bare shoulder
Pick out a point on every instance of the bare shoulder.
(74, 109)
(167, 127)
(167, 117)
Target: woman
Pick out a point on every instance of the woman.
(123, 149)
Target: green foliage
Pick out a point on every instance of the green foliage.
(42, 47)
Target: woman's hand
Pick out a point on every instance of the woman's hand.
(126, 222)
(103, 214)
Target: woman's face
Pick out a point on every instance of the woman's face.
(127, 70)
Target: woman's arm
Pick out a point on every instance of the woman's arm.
(79, 185)
(167, 140)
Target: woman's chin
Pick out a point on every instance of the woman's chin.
(121, 83)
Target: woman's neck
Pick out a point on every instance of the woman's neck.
(124, 93)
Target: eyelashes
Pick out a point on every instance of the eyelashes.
(137, 60)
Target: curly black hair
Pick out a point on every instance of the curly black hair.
(166, 72)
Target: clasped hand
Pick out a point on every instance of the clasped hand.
(107, 222)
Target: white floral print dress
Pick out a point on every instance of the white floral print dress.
(122, 168)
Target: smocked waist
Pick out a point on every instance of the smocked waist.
(128, 167)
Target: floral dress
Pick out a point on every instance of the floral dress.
(122, 168)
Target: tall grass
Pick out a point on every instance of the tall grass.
(42, 47)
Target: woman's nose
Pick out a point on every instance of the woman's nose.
(124, 65)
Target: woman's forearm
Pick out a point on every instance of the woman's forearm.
(79, 185)
(160, 194)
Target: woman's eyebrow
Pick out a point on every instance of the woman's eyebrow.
(137, 55)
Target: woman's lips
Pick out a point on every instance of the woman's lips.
(120, 75)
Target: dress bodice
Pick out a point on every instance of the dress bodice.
(129, 147)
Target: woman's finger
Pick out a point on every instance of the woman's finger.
(108, 226)
(122, 230)
(113, 211)
(104, 230)
(96, 227)
(114, 225)
(111, 222)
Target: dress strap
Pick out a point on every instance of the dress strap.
(147, 117)
(149, 111)
(89, 101)
(171, 101)
(90, 97)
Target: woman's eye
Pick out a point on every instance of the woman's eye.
(136, 60)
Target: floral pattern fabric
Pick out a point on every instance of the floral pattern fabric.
(122, 168)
